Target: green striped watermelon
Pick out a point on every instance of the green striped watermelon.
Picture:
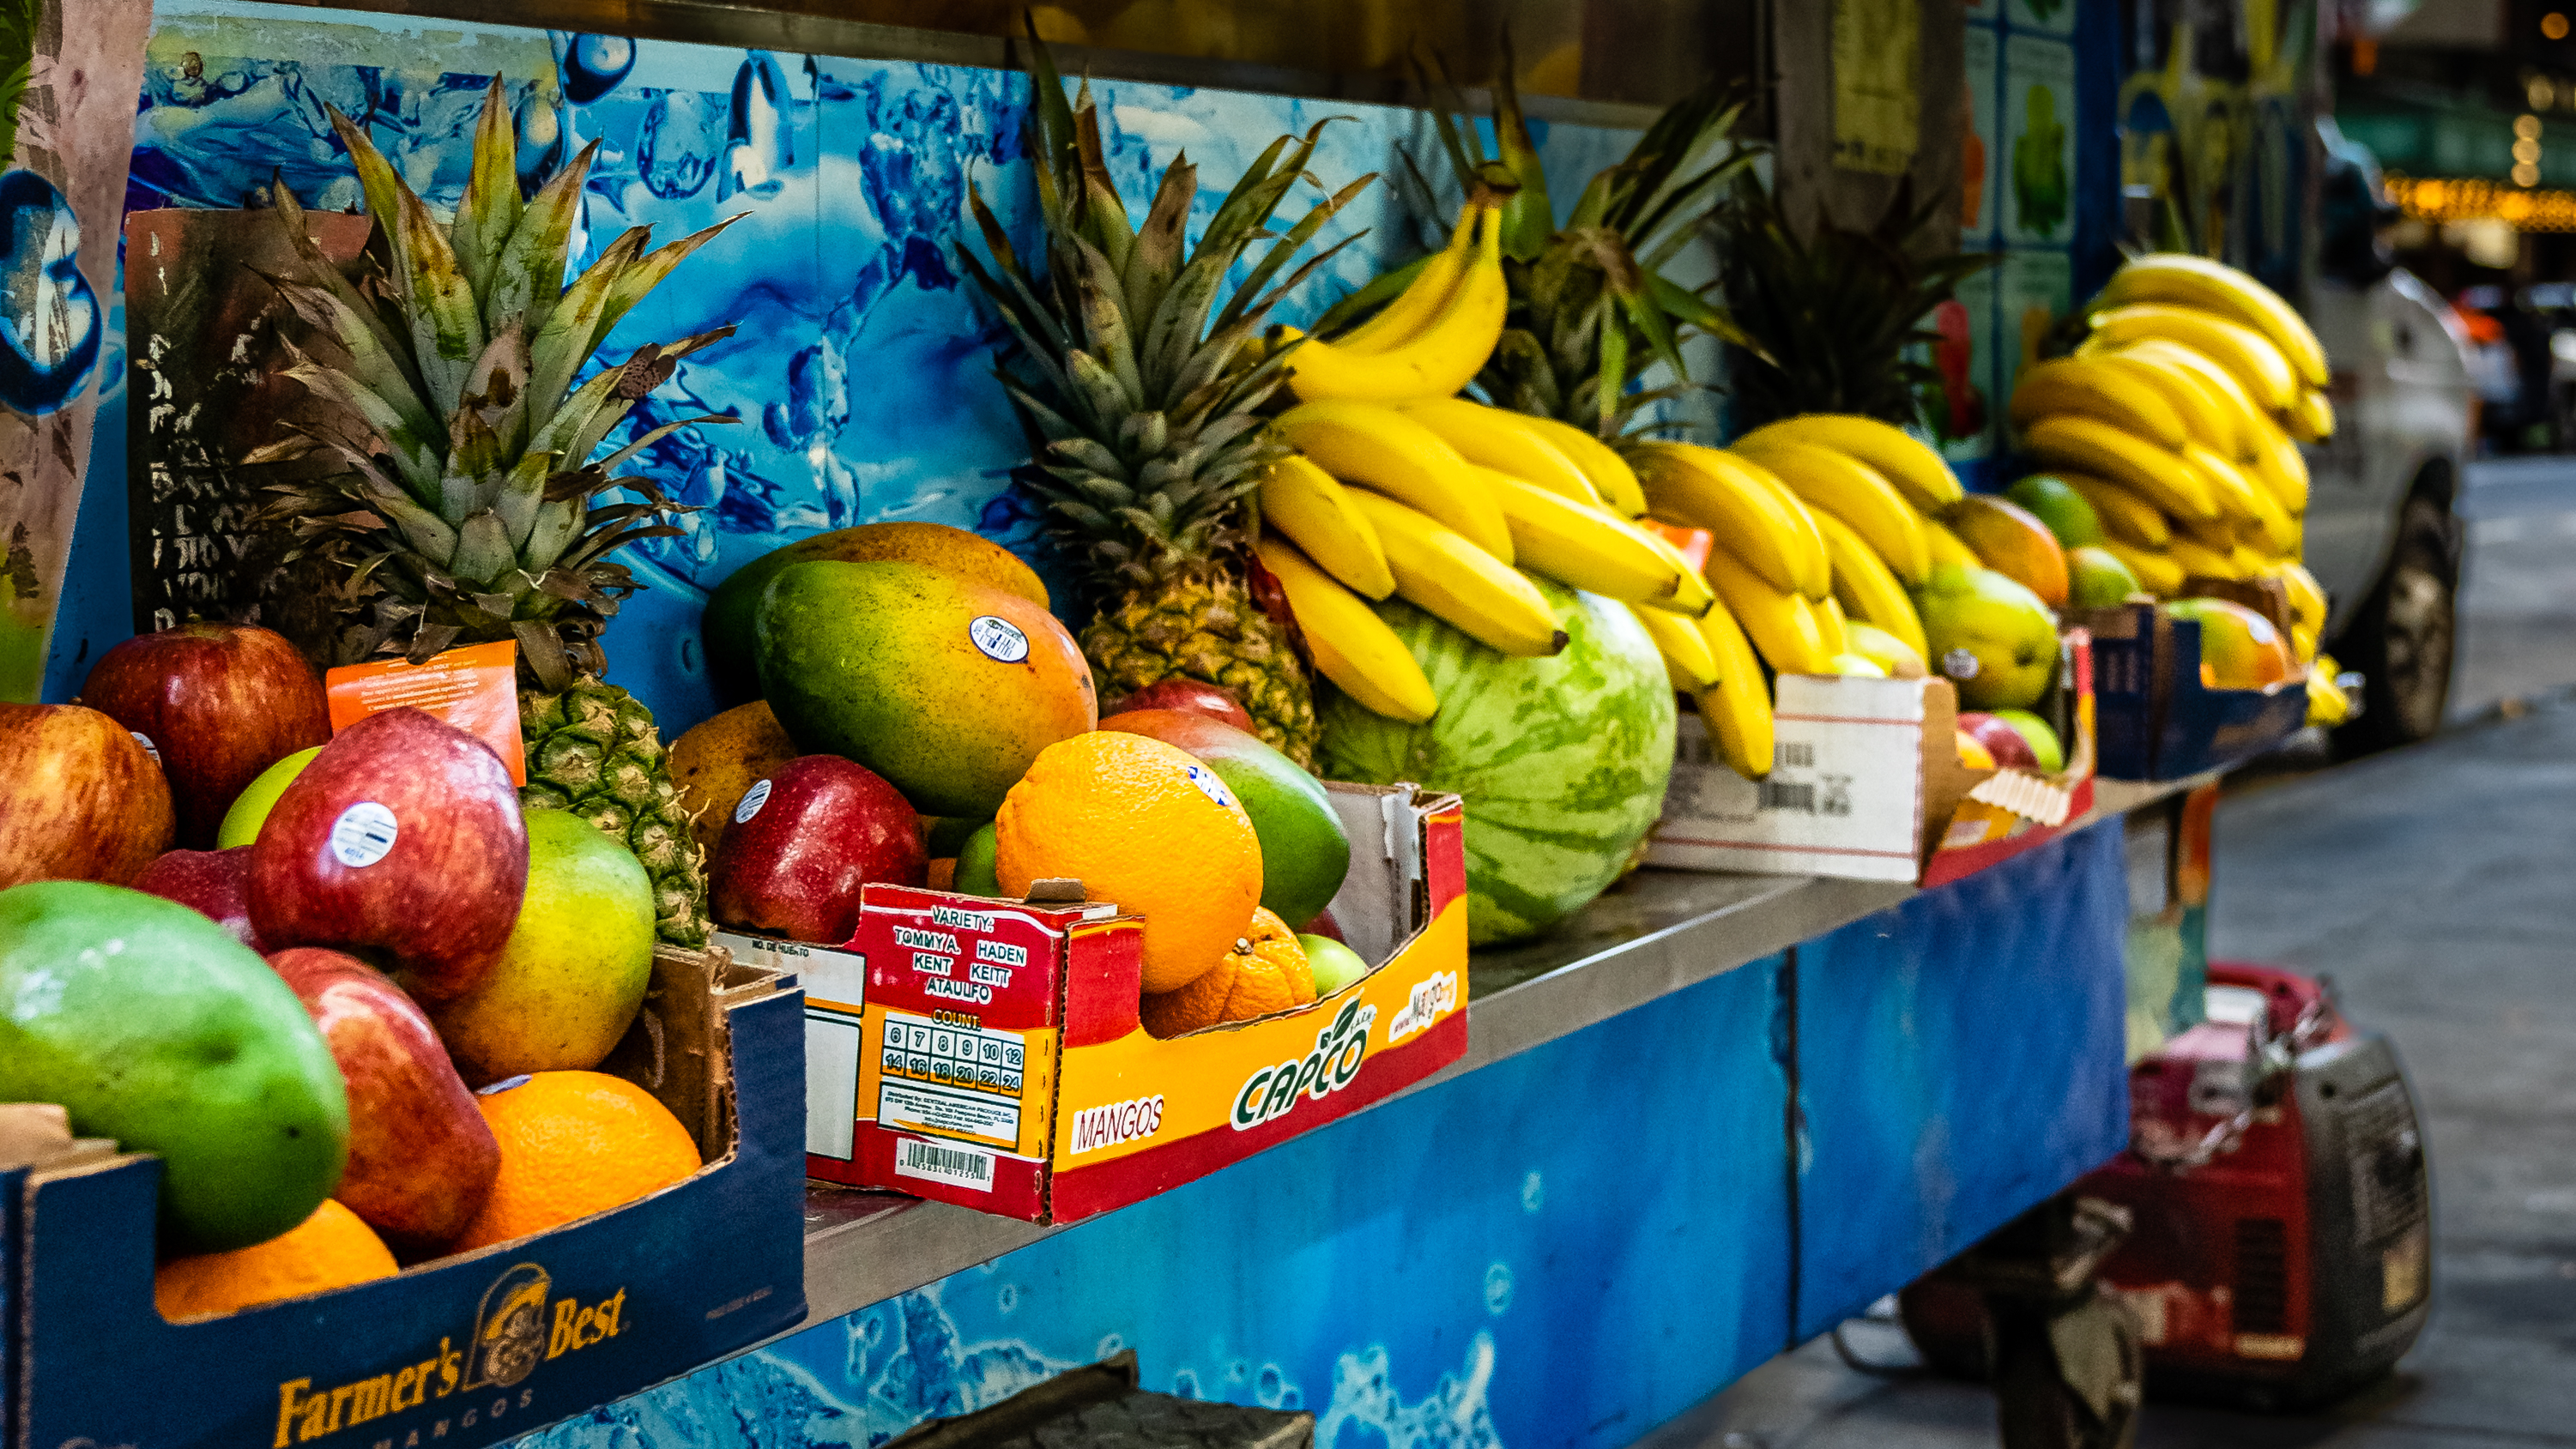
(1562, 761)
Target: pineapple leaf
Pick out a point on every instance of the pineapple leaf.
(1096, 294)
(1104, 217)
(1692, 310)
(649, 438)
(606, 541)
(482, 548)
(373, 367)
(417, 460)
(1096, 391)
(1284, 248)
(475, 468)
(563, 343)
(446, 330)
(1446, 104)
(527, 276)
(647, 274)
(1157, 254)
(558, 522)
(541, 649)
(497, 387)
(426, 532)
(490, 208)
(1380, 289)
(523, 492)
(384, 191)
(1528, 218)
(318, 272)
(1650, 322)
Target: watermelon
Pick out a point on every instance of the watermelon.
(1562, 761)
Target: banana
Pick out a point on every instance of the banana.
(1351, 645)
(1738, 710)
(2247, 354)
(1316, 513)
(2086, 385)
(1831, 623)
(1687, 660)
(2198, 561)
(2190, 281)
(1503, 441)
(1695, 596)
(1380, 448)
(2242, 498)
(1585, 547)
(2218, 536)
(1907, 461)
(2091, 446)
(2205, 412)
(1424, 298)
(1443, 573)
(2282, 469)
(2130, 518)
(1752, 513)
(2326, 702)
(1856, 493)
(2214, 379)
(1442, 357)
(1782, 624)
(2307, 597)
(1868, 590)
(1611, 476)
(1894, 657)
(2156, 569)
(1948, 547)
(2248, 561)
(2311, 419)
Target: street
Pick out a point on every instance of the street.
(2432, 885)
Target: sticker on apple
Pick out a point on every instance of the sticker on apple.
(145, 741)
(1210, 786)
(999, 638)
(752, 800)
(1959, 664)
(363, 835)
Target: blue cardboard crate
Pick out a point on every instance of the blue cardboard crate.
(463, 1351)
(2153, 718)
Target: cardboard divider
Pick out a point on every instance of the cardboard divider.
(2158, 721)
(460, 1351)
(999, 1063)
(1866, 784)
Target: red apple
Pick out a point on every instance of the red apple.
(402, 840)
(214, 883)
(1190, 696)
(2006, 744)
(804, 840)
(421, 1155)
(221, 702)
(80, 799)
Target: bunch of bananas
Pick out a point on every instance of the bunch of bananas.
(1821, 524)
(2179, 418)
(1397, 487)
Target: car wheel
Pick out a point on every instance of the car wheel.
(2403, 641)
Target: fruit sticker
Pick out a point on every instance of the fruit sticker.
(999, 638)
(363, 835)
(1960, 664)
(752, 800)
(145, 741)
(1210, 786)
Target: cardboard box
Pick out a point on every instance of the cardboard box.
(464, 1351)
(1866, 784)
(1001, 1065)
(2157, 720)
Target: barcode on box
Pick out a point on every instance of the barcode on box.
(964, 1166)
(1797, 754)
(1782, 795)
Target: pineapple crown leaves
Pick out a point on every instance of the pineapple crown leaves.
(1126, 361)
(1591, 308)
(1836, 310)
(445, 377)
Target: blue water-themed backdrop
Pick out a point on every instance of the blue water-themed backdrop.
(860, 373)
(1564, 1248)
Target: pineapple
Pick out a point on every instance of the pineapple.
(1590, 308)
(1840, 314)
(1142, 410)
(467, 512)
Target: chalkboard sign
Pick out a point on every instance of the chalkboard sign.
(205, 389)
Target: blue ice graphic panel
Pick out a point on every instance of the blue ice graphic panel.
(1563, 1249)
(1959, 1059)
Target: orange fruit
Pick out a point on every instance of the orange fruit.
(1144, 824)
(573, 1144)
(331, 1249)
(1266, 971)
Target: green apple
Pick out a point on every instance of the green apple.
(1334, 964)
(250, 808)
(573, 975)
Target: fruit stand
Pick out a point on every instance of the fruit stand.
(1371, 896)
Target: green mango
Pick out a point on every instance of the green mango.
(150, 1024)
(975, 863)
